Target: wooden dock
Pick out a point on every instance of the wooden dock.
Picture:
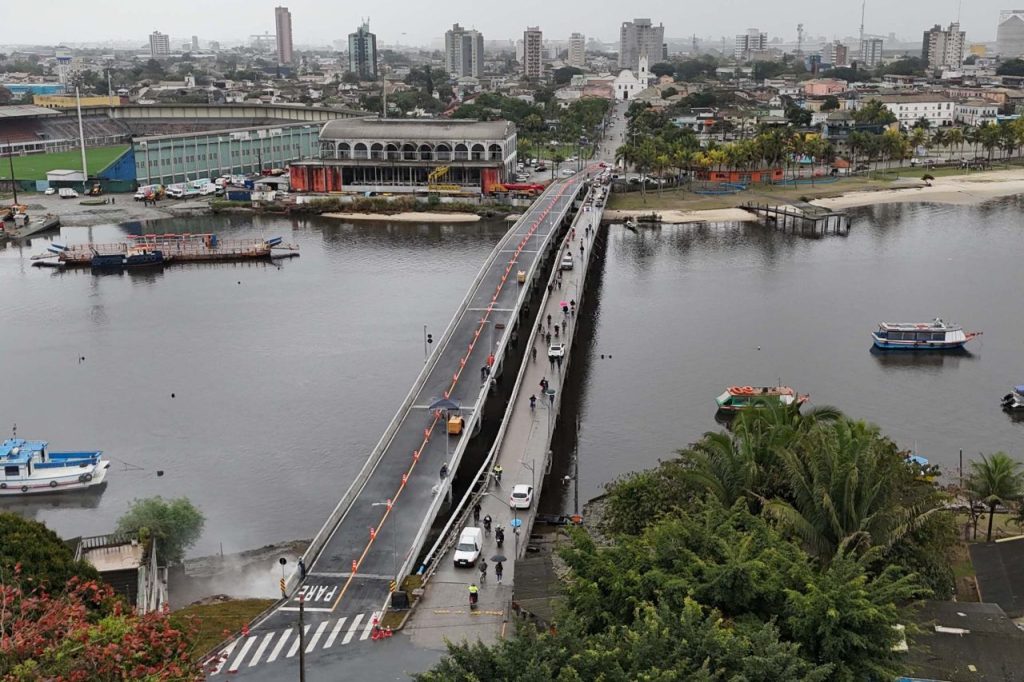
(802, 218)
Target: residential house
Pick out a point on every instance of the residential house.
(909, 109)
(975, 112)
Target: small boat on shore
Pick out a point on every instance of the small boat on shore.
(934, 335)
(34, 226)
(738, 398)
(1014, 400)
(30, 469)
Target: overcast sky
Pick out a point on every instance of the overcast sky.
(420, 22)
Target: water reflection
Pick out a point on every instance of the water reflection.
(908, 359)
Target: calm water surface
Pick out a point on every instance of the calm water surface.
(685, 311)
(285, 377)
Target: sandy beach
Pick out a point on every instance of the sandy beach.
(955, 189)
(409, 217)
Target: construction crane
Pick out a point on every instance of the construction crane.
(434, 181)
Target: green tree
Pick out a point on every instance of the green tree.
(44, 559)
(5, 95)
(669, 92)
(1011, 67)
(662, 69)
(563, 75)
(874, 113)
(175, 524)
(997, 481)
(830, 103)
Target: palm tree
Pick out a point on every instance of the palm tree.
(844, 495)
(955, 138)
(995, 480)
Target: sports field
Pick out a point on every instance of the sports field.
(35, 166)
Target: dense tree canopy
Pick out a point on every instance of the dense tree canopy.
(175, 524)
(46, 560)
(1011, 67)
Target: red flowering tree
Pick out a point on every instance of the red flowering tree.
(87, 634)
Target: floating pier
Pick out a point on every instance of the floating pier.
(802, 218)
(161, 249)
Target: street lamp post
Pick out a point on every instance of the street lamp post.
(302, 639)
(428, 339)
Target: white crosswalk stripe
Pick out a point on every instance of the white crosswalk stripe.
(248, 652)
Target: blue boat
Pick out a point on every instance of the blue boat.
(135, 257)
(934, 335)
(29, 469)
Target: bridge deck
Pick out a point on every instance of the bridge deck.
(330, 589)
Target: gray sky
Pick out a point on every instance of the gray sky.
(419, 21)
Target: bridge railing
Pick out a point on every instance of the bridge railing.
(346, 501)
(461, 511)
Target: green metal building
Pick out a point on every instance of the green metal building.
(180, 157)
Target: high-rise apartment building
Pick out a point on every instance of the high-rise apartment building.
(836, 54)
(463, 52)
(362, 52)
(533, 52)
(943, 49)
(195, 44)
(283, 29)
(640, 38)
(1010, 34)
(577, 50)
(750, 42)
(871, 53)
(159, 45)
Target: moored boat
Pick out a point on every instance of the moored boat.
(1014, 400)
(28, 468)
(34, 226)
(934, 335)
(737, 398)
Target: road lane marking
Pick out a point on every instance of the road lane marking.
(295, 645)
(334, 632)
(352, 630)
(316, 637)
(241, 654)
(261, 648)
(369, 625)
(280, 645)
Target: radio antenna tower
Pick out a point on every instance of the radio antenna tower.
(863, 7)
(800, 40)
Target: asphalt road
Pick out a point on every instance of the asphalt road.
(340, 606)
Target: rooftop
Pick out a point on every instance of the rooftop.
(911, 99)
(21, 110)
(961, 641)
(19, 450)
(428, 129)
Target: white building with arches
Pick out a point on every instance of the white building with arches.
(627, 86)
(396, 155)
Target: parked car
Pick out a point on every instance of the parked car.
(556, 350)
(50, 191)
(175, 193)
(467, 551)
(207, 190)
(521, 497)
(566, 263)
(67, 193)
(567, 172)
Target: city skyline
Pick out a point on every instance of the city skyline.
(399, 22)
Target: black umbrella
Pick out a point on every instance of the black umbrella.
(498, 557)
(444, 404)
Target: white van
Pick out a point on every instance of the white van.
(467, 551)
(67, 193)
(175, 192)
(208, 189)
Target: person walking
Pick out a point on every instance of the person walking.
(498, 470)
(533, 402)
(476, 513)
(533, 352)
(444, 471)
(498, 570)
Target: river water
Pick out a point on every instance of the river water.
(284, 377)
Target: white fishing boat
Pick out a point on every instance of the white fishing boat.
(28, 468)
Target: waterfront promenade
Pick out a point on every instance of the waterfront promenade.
(379, 526)
(523, 451)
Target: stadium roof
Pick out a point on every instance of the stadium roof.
(424, 129)
(21, 110)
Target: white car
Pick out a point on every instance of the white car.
(568, 172)
(467, 551)
(50, 191)
(521, 497)
(566, 263)
(556, 350)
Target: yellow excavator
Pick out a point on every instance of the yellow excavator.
(434, 181)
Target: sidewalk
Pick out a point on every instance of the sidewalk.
(443, 612)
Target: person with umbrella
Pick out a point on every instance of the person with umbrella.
(499, 567)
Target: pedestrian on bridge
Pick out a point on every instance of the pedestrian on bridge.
(498, 570)
(444, 471)
(533, 402)
(476, 513)
(498, 470)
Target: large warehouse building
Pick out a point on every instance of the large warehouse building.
(401, 155)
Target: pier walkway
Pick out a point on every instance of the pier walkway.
(379, 527)
(522, 449)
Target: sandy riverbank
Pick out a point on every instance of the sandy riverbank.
(954, 189)
(408, 217)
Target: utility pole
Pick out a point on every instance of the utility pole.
(863, 8)
(302, 639)
(81, 140)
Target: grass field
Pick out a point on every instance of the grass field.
(35, 166)
(219, 619)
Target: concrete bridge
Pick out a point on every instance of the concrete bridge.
(378, 529)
